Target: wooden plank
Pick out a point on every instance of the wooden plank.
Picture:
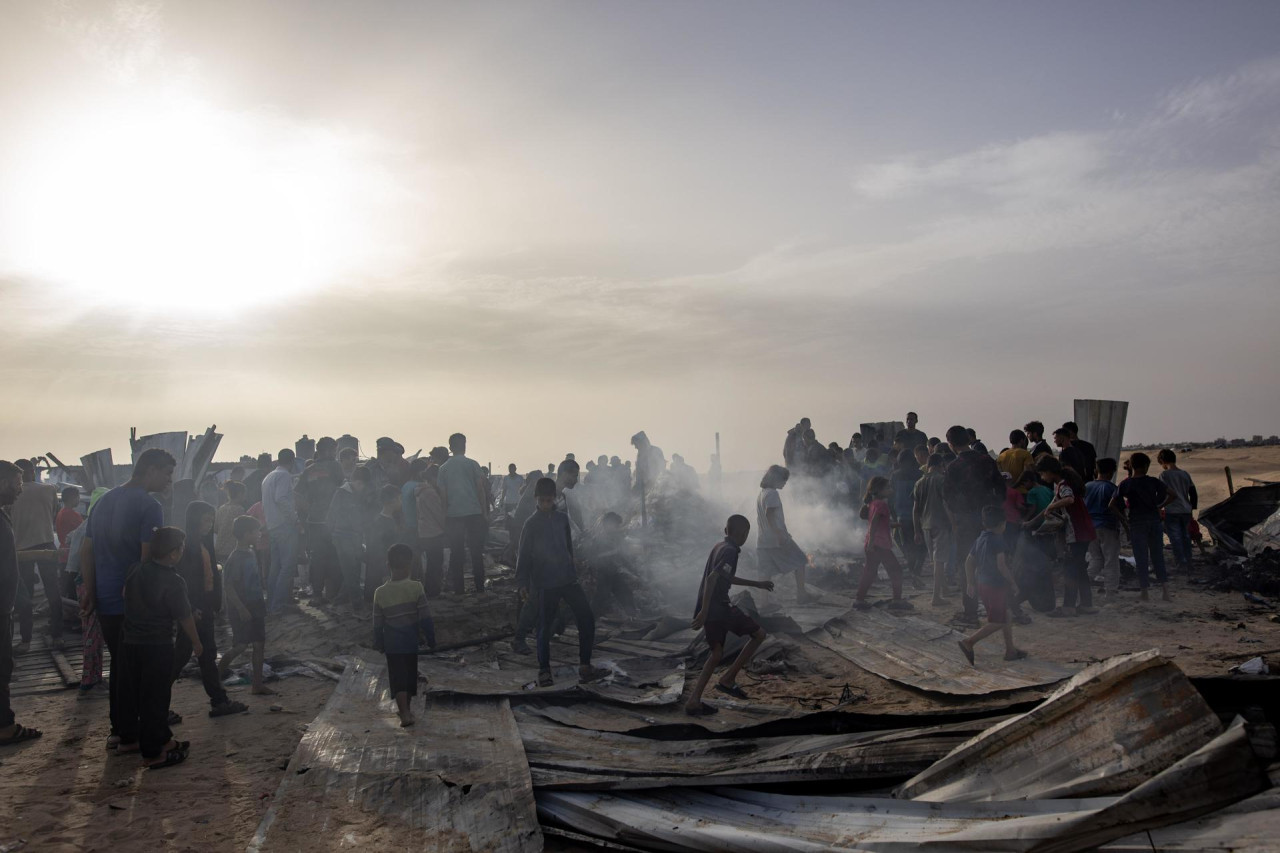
(457, 781)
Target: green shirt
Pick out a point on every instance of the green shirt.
(458, 478)
(1038, 498)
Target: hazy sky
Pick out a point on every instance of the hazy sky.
(549, 225)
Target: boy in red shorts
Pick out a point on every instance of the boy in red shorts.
(719, 617)
(989, 578)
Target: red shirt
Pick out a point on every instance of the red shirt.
(64, 525)
(1013, 505)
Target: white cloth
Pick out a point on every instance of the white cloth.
(765, 535)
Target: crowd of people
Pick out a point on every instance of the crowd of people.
(374, 534)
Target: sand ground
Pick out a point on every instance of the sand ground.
(66, 792)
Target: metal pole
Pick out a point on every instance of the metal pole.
(1231, 486)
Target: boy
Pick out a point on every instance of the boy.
(1104, 552)
(1177, 514)
(155, 597)
(718, 617)
(1144, 497)
(545, 571)
(400, 620)
(989, 578)
(248, 607)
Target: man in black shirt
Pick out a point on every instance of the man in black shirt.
(10, 488)
(911, 438)
(972, 481)
(1035, 438)
(1069, 454)
(1087, 450)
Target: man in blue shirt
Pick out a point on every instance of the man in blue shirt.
(1104, 552)
(119, 536)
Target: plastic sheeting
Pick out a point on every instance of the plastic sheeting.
(923, 654)
(458, 781)
(1112, 726)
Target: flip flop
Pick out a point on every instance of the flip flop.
(968, 652)
(703, 710)
(20, 735)
(733, 690)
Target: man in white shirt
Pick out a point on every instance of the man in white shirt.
(281, 514)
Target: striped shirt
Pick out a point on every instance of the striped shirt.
(399, 613)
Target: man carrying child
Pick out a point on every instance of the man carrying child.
(717, 616)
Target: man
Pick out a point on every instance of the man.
(11, 479)
(791, 448)
(566, 481)
(1035, 439)
(650, 463)
(1087, 450)
(971, 482)
(281, 514)
(313, 494)
(976, 443)
(1068, 454)
(253, 482)
(511, 485)
(1016, 459)
(119, 537)
(389, 465)
(466, 496)
(911, 438)
(33, 515)
(933, 523)
(857, 448)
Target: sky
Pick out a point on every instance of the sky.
(551, 224)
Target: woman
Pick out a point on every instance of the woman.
(776, 552)
(1068, 495)
(204, 590)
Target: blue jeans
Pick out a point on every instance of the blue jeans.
(284, 565)
(1148, 549)
(1177, 527)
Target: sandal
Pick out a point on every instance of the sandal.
(703, 710)
(228, 707)
(733, 690)
(21, 734)
(172, 758)
(545, 680)
(175, 719)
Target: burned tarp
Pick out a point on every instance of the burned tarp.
(633, 681)
(1112, 726)
(563, 757)
(923, 654)
(458, 781)
(1220, 773)
(1228, 522)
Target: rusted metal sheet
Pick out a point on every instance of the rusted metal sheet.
(1101, 423)
(1112, 726)
(632, 681)
(457, 781)
(923, 654)
(561, 757)
(730, 819)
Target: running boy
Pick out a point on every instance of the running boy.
(247, 610)
(718, 617)
(546, 571)
(400, 621)
(155, 597)
(989, 578)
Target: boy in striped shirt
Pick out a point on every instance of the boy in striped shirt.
(400, 621)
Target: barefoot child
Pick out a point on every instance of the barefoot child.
(989, 578)
(879, 545)
(247, 608)
(400, 620)
(715, 614)
(155, 597)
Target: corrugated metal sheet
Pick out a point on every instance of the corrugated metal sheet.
(633, 681)
(1112, 726)
(1230, 521)
(458, 781)
(1101, 423)
(1252, 824)
(99, 469)
(561, 757)
(1220, 773)
(923, 654)
(174, 442)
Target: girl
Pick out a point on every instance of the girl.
(879, 545)
(1068, 494)
(776, 552)
(204, 591)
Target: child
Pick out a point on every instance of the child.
(1177, 513)
(879, 545)
(988, 577)
(1104, 552)
(400, 620)
(1078, 532)
(155, 597)
(718, 617)
(546, 572)
(1144, 496)
(248, 605)
(69, 518)
(387, 531)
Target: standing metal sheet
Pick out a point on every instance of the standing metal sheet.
(174, 442)
(99, 470)
(199, 455)
(1101, 424)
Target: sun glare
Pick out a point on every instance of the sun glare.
(168, 202)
